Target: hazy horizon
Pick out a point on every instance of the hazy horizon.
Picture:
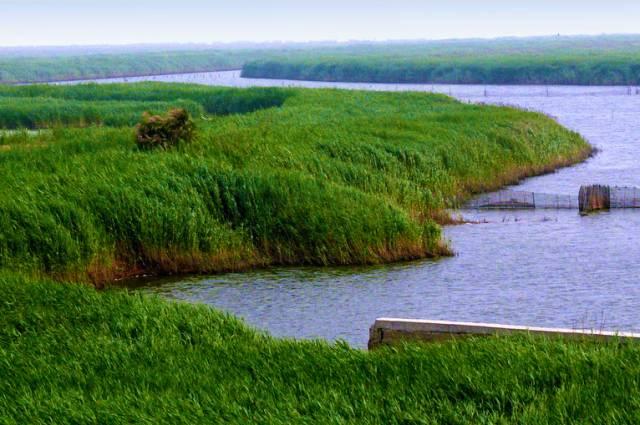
(81, 23)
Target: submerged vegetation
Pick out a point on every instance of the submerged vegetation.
(69, 354)
(273, 177)
(602, 60)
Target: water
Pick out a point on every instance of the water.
(537, 268)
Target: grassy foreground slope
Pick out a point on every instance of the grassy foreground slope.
(69, 354)
(329, 177)
(594, 60)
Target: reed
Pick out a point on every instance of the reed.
(595, 60)
(604, 69)
(44, 112)
(69, 354)
(215, 100)
(328, 178)
(46, 68)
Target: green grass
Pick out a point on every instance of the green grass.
(19, 69)
(599, 60)
(328, 178)
(274, 177)
(609, 59)
(69, 354)
(214, 100)
(43, 112)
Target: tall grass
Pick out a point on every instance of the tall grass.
(273, 177)
(42, 112)
(564, 70)
(72, 67)
(330, 177)
(603, 60)
(69, 354)
(533, 60)
(215, 100)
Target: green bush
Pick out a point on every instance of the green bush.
(164, 131)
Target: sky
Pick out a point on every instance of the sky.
(86, 22)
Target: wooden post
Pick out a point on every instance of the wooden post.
(594, 198)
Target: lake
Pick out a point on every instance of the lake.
(538, 268)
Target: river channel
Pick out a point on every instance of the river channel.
(537, 268)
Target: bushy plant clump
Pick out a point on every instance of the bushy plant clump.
(164, 131)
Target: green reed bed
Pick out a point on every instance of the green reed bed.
(592, 60)
(214, 100)
(273, 176)
(69, 354)
(51, 67)
(329, 177)
(43, 112)
(567, 69)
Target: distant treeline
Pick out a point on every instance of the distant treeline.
(57, 68)
(303, 177)
(605, 60)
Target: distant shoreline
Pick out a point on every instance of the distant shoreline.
(136, 75)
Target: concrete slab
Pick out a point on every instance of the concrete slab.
(389, 331)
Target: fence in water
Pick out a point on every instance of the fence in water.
(624, 197)
(590, 198)
(513, 199)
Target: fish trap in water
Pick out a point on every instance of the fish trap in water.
(512, 199)
(590, 198)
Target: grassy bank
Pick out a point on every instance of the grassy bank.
(594, 60)
(327, 178)
(17, 69)
(69, 354)
(214, 100)
(273, 177)
(44, 112)
(603, 60)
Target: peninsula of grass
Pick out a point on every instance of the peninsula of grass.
(70, 354)
(273, 176)
(595, 60)
(276, 177)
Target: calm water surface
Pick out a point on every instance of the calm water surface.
(543, 268)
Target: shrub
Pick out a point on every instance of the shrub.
(164, 131)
